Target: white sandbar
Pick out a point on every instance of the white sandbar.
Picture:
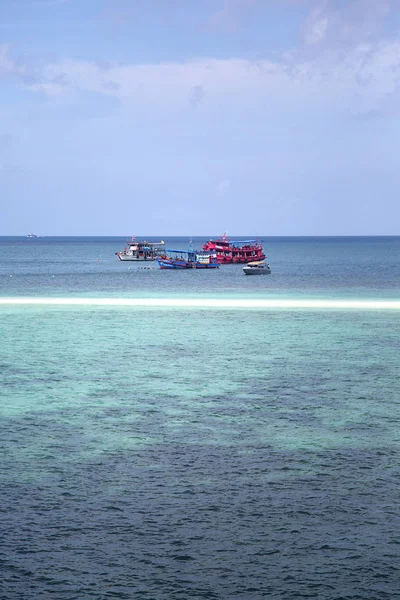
(207, 303)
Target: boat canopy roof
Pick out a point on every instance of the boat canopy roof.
(243, 242)
(256, 263)
(181, 251)
(138, 243)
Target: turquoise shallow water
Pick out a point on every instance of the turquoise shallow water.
(198, 453)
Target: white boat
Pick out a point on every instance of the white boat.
(258, 267)
(141, 250)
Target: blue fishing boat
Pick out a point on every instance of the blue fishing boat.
(188, 259)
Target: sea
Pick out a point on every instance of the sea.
(199, 434)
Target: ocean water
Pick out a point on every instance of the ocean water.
(214, 436)
(301, 267)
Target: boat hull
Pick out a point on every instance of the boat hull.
(239, 260)
(184, 264)
(127, 257)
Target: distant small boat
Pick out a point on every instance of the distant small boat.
(257, 268)
(32, 235)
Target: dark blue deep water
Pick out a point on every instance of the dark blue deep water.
(313, 267)
(171, 453)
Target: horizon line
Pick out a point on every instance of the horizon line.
(216, 236)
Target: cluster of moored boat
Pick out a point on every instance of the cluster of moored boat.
(214, 253)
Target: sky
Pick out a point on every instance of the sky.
(196, 117)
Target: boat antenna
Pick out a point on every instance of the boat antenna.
(190, 245)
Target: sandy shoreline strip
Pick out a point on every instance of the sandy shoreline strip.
(206, 303)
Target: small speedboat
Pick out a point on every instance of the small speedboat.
(258, 267)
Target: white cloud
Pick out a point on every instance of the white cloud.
(197, 95)
(6, 63)
(345, 24)
(354, 81)
(316, 25)
(223, 187)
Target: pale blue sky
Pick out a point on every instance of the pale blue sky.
(195, 117)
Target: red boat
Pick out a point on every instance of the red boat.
(231, 252)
